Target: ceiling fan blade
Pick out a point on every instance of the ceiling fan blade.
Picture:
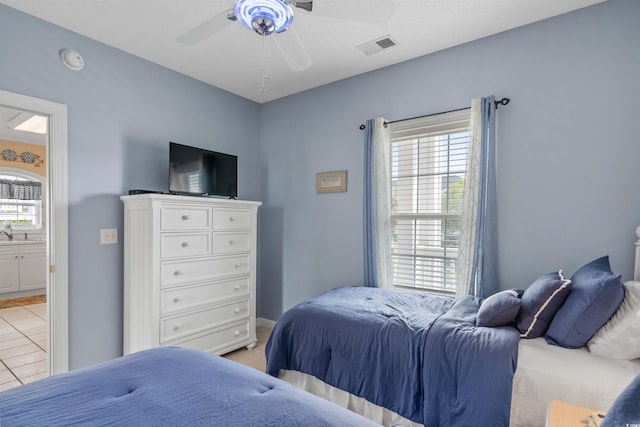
(293, 50)
(306, 5)
(355, 11)
(208, 28)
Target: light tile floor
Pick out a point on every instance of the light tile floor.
(23, 345)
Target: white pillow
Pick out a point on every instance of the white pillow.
(619, 338)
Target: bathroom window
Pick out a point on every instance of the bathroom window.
(20, 201)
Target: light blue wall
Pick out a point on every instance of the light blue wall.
(567, 158)
(122, 113)
(568, 155)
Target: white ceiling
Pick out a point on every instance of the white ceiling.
(9, 118)
(232, 58)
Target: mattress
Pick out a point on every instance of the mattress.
(548, 372)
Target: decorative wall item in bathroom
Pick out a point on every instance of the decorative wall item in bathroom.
(23, 155)
(9, 155)
(27, 157)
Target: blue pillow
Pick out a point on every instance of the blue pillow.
(499, 309)
(625, 410)
(595, 295)
(540, 302)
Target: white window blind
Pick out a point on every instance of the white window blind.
(428, 170)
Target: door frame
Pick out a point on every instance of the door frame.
(57, 225)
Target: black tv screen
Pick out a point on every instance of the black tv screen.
(196, 171)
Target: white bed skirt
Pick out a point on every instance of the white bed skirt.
(544, 373)
(347, 400)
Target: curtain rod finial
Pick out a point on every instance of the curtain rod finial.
(503, 101)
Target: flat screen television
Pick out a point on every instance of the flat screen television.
(200, 172)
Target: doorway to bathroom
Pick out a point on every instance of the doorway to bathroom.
(34, 225)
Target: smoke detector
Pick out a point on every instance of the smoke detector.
(72, 59)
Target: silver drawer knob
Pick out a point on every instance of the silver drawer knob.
(177, 300)
(232, 242)
(185, 244)
(186, 217)
(237, 265)
(236, 311)
(237, 333)
(236, 288)
(177, 273)
(232, 218)
(176, 327)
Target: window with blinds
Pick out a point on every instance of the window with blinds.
(21, 213)
(428, 171)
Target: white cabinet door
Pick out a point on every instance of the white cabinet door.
(9, 272)
(33, 267)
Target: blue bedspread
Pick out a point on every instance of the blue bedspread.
(168, 387)
(418, 355)
(625, 411)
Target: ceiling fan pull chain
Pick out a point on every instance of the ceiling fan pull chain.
(266, 62)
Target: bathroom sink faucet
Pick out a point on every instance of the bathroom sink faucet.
(10, 236)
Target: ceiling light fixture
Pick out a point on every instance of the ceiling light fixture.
(264, 16)
(34, 124)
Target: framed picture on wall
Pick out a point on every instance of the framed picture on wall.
(331, 182)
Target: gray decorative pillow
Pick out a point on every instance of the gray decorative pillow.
(540, 302)
(500, 309)
(619, 338)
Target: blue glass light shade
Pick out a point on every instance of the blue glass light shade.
(264, 16)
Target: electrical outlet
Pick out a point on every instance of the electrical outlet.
(108, 236)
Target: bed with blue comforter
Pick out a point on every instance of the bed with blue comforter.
(420, 356)
(168, 387)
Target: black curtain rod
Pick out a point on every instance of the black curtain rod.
(503, 101)
(426, 115)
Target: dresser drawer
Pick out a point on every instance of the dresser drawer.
(185, 218)
(185, 245)
(176, 326)
(185, 297)
(175, 272)
(231, 219)
(224, 243)
(225, 338)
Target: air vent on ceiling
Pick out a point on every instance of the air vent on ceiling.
(378, 45)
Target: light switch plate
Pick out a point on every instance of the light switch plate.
(108, 236)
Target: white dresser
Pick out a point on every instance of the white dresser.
(189, 272)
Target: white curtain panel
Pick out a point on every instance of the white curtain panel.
(470, 202)
(382, 200)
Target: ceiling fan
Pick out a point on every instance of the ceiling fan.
(267, 17)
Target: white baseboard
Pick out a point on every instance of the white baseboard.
(265, 323)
